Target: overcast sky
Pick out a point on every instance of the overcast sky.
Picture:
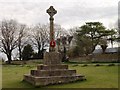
(70, 13)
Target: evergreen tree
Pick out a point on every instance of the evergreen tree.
(27, 52)
(89, 36)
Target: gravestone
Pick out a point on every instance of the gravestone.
(52, 71)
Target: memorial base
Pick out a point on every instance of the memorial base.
(52, 72)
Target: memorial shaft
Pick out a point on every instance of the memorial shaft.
(52, 37)
(51, 11)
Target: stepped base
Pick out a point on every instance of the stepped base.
(52, 67)
(52, 72)
(46, 73)
(42, 81)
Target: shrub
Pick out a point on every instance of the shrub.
(84, 65)
(111, 64)
(97, 65)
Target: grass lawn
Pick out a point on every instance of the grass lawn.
(97, 76)
(0, 75)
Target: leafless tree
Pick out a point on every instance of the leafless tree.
(72, 31)
(12, 36)
(59, 31)
(40, 38)
(22, 38)
(63, 40)
(8, 37)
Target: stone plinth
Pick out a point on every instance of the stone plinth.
(46, 73)
(51, 58)
(42, 81)
(52, 72)
(52, 67)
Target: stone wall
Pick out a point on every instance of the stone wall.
(98, 58)
(106, 57)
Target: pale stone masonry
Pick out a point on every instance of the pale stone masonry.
(52, 73)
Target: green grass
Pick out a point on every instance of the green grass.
(0, 76)
(97, 76)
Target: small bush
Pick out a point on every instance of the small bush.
(111, 64)
(97, 65)
(84, 65)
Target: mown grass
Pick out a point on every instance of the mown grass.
(102, 76)
(0, 74)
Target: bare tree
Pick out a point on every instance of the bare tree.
(12, 36)
(22, 38)
(40, 38)
(59, 31)
(63, 40)
(8, 37)
(73, 30)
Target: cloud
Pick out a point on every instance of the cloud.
(70, 13)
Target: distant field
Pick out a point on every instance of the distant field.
(97, 76)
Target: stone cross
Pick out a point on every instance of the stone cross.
(51, 11)
(52, 71)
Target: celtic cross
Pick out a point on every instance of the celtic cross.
(51, 11)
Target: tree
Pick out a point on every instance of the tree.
(12, 36)
(22, 39)
(64, 41)
(59, 31)
(89, 35)
(40, 38)
(27, 52)
(84, 45)
(113, 37)
(8, 37)
(103, 44)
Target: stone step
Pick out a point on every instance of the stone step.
(41, 81)
(51, 67)
(46, 73)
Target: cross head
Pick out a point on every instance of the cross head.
(51, 11)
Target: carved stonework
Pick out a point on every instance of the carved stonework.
(51, 11)
(52, 58)
(52, 71)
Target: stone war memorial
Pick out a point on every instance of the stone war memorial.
(52, 71)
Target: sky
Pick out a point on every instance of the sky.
(70, 13)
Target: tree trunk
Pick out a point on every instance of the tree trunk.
(64, 54)
(20, 54)
(39, 52)
(104, 47)
(9, 58)
(94, 46)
